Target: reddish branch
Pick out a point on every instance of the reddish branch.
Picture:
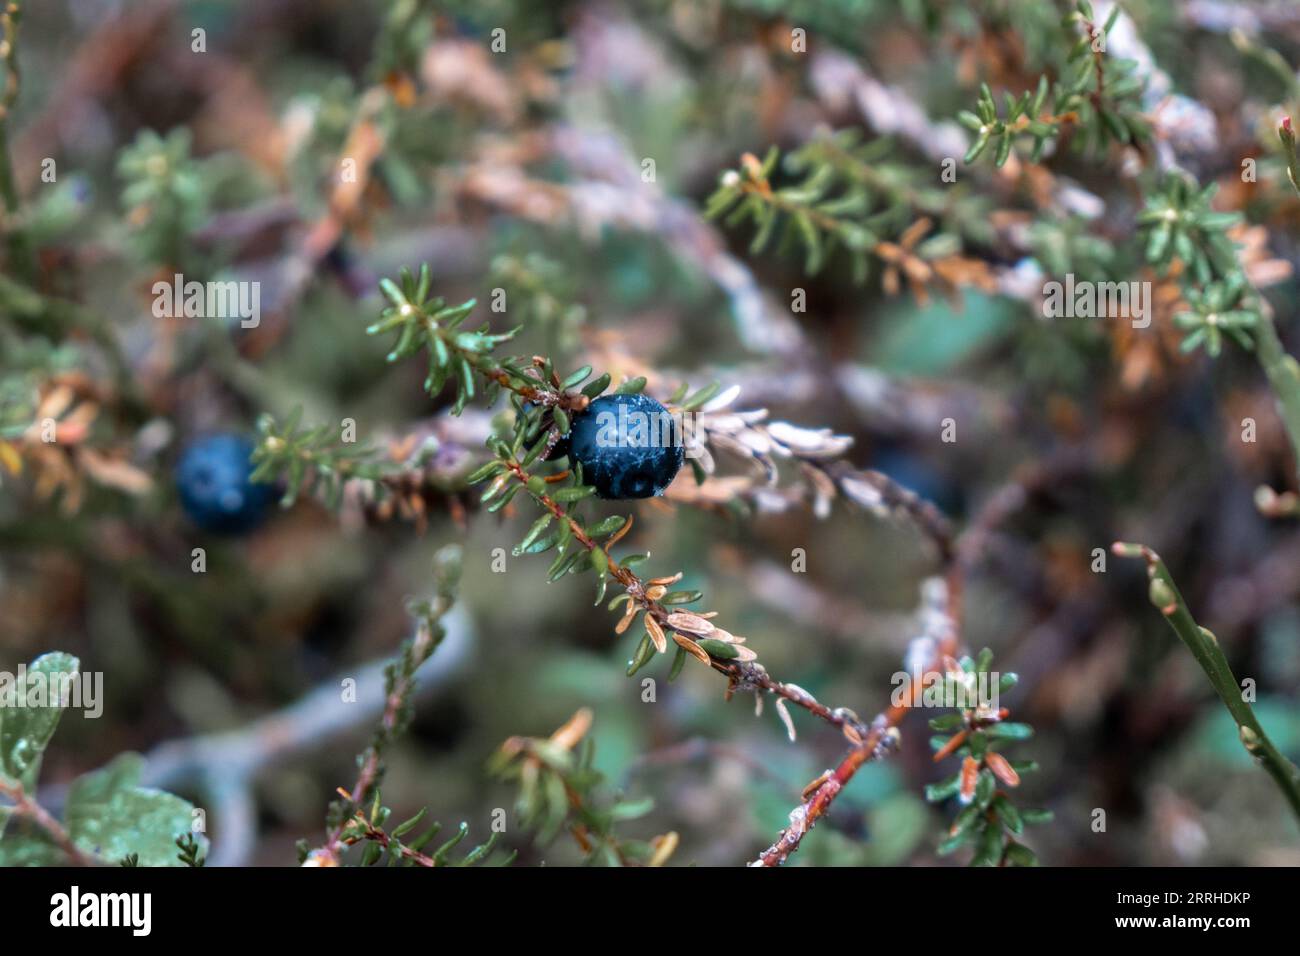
(742, 675)
(821, 793)
(27, 808)
(960, 557)
(367, 831)
(869, 742)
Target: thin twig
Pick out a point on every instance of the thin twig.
(743, 675)
(372, 834)
(1205, 648)
(226, 765)
(941, 643)
(880, 739)
(421, 647)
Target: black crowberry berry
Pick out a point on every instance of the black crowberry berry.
(629, 446)
(212, 478)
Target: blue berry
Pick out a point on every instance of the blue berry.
(913, 473)
(213, 480)
(629, 446)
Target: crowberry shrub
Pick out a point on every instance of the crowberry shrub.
(746, 329)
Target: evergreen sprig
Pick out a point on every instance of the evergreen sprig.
(421, 323)
(395, 848)
(190, 851)
(1099, 96)
(988, 820)
(1220, 308)
(580, 549)
(167, 194)
(543, 292)
(310, 460)
(847, 198)
(349, 820)
(899, 191)
(829, 207)
(1178, 221)
(559, 787)
(543, 402)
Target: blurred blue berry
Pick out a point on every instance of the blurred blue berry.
(916, 474)
(213, 480)
(629, 446)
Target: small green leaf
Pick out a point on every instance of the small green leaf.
(410, 824)
(533, 533)
(701, 398)
(719, 649)
(595, 388)
(679, 661)
(606, 526)
(576, 378)
(681, 597)
(110, 815)
(645, 652)
(27, 723)
(938, 792)
(483, 472)
(967, 818)
(1009, 731)
(632, 386)
(1008, 814)
(989, 852)
(948, 722)
(1017, 854)
(632, 809)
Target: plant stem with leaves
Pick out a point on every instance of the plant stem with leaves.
(1100, 98)
(1205, 648)
(988, 818)
(1283, 373)
(349, 823)
(559, 786)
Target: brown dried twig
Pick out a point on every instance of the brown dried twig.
(934, 651)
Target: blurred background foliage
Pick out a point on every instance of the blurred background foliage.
(504, 171)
